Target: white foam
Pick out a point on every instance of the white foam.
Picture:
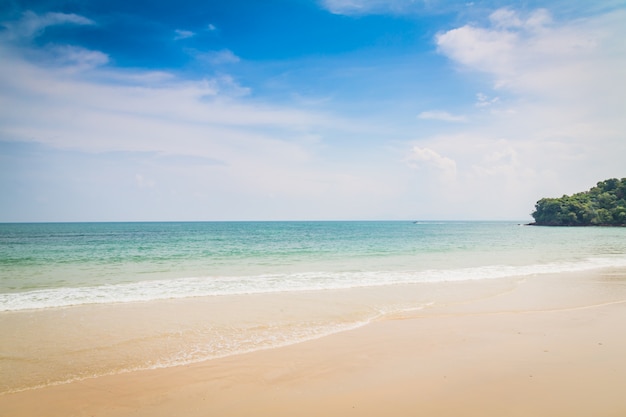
(276, 283)
(211, 351)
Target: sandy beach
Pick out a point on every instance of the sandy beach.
(551, 346)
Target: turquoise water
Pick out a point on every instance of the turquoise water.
(83, 300)
(62, 264)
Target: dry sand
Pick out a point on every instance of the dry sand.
(553, 347)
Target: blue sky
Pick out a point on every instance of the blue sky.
(306, 109)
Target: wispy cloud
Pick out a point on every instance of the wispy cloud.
(393, 7)
(426, 158)
(183, 34)
(546, 113)
(441, 116)
(533, 54)
(222, 57)
(483, 100)
(31, 24)
(555, 104)
(360, 7)
(202, 118)
(196, 109)
(77, 58)
(256, 149)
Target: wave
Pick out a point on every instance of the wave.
(197, 354)
(277, 283)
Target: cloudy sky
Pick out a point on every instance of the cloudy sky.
(306, 109)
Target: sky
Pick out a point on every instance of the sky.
(207, 110)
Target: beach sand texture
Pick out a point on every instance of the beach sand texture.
(551, 346)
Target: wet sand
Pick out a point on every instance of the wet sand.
(553, 346)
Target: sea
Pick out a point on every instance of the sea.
(83, 300)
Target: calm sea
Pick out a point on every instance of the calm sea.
(82, 300)
(64, 264)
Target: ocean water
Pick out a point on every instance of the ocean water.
(81, 300)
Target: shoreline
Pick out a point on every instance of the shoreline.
(550, 346)
(69, 344)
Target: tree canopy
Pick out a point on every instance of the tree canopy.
(602, 205)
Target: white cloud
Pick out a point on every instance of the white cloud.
(263, 161)
(255, 148)
(347, 6)
(361, 7)
(480, 49)
(32, 24)
(481, 176)
(553, 121)
(441, 116)
(506, 18)
(562, 115)
(183, 34)
(77, 58)
(175, 117)
(426, 158)
(137, 78)
(534, 55)
(483, 100)
(222, 57)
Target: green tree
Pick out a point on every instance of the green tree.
(602, 205)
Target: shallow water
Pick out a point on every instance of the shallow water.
(54, 265)
(84, 300)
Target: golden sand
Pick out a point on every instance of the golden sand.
(552, 347)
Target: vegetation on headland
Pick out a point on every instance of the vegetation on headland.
(602, 205)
